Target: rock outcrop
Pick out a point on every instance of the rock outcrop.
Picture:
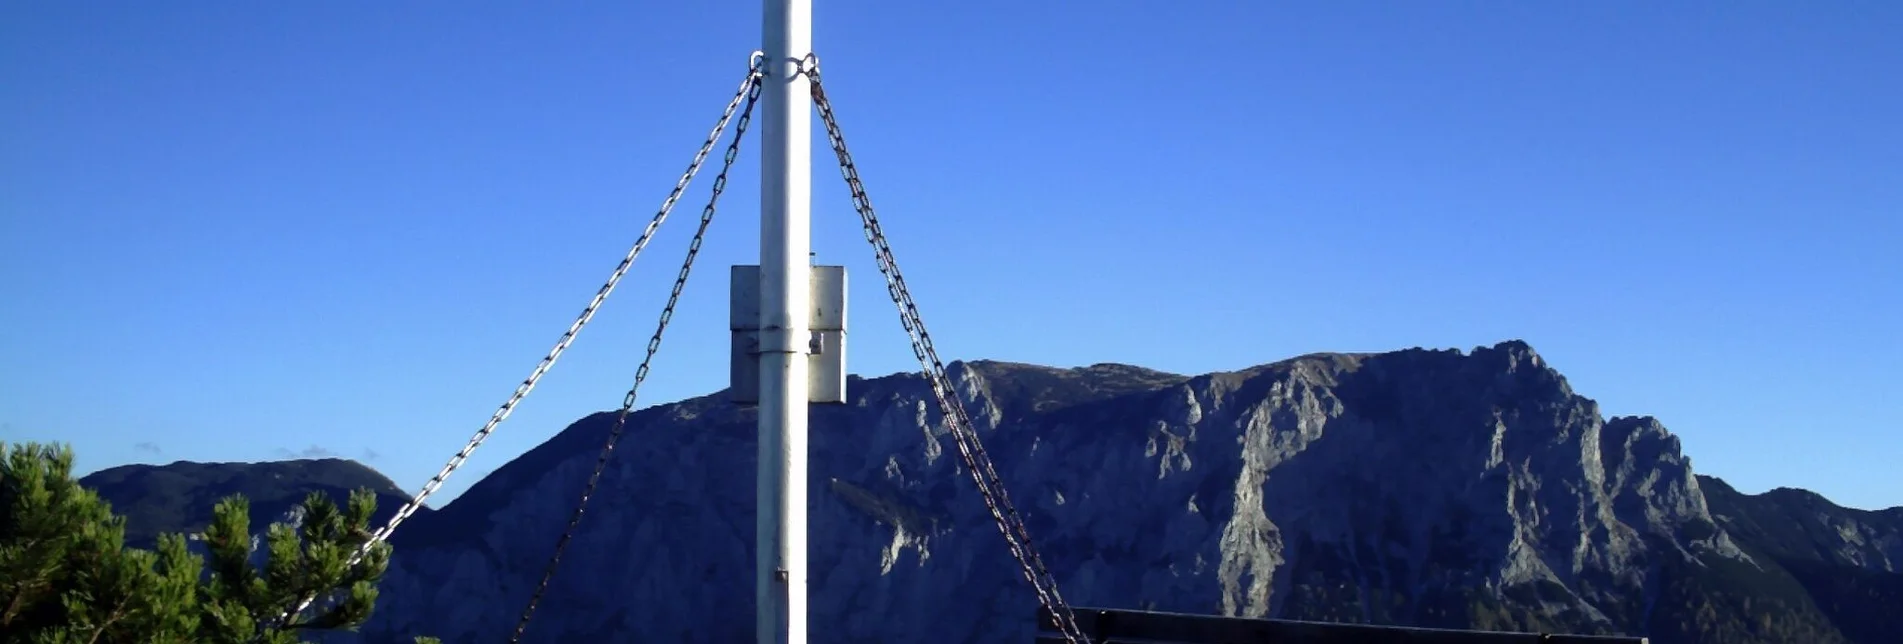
(1848, 562)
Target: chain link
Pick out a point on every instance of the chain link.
(748, 90)
(990, 485)
(654, 345)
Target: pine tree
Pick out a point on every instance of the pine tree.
(66, 575)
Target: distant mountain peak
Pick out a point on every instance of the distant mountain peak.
(179, 496)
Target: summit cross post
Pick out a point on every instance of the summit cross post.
(784, 308)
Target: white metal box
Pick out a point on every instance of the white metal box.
(826, 357)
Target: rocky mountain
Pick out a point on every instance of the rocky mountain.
(1435, 488)
(179, 497)
(1849, 562)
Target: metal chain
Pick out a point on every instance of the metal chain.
(435, 483)
(654, 345)
(990, 485)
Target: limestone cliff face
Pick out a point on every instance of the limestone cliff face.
(1848, 562)
(1799, 524)
(1391, 488)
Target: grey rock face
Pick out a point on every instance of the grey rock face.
(1801, 525)
(1400, 477)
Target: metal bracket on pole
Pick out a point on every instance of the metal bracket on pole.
(826, 357)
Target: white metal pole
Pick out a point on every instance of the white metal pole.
(785, 303)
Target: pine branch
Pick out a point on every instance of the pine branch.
(66, 576)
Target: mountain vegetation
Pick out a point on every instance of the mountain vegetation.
(66, 575)
(179, 497)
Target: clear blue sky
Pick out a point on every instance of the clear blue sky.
(238, 231)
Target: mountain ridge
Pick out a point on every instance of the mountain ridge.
(1428, 487)
(178, 497)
